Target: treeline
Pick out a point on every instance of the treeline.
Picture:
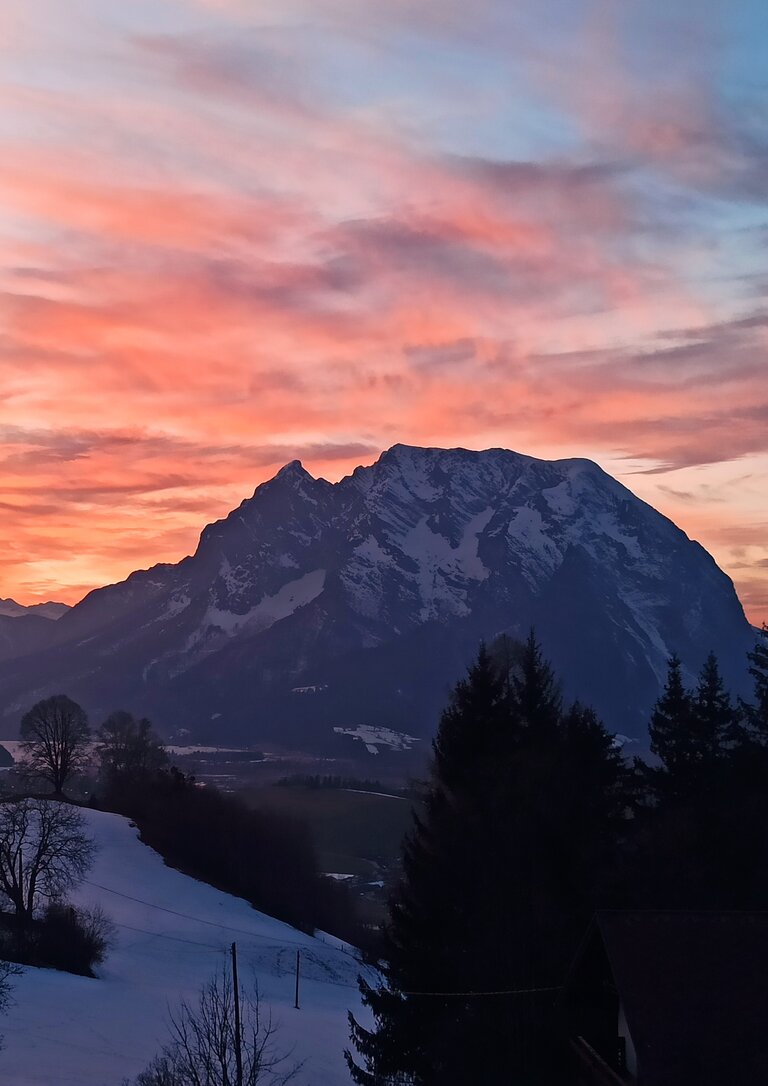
(315, 781)
(264, 856)
(701, 835)
(532, 820)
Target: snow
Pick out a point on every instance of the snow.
(374, 737)
(559, 499)
(173, 932)
(439, 561)
(367, 792)
(13, 746)
(235, 579)
(271, 609)
(606, 523)
(198, 749)
(176, 605)
(372, 551)
(540, 555)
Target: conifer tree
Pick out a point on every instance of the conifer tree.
(713, 719)
(756, 713)
(497, 886)
(436, 914)
(694, 849)
(536, 690)
(670, 726)
(473, 728)
(692, 730)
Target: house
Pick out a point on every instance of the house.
(670, 998)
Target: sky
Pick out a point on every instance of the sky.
(238, 232)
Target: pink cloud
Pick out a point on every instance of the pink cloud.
(228, 267)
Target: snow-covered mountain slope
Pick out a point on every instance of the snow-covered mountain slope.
(172, 934)
(375, 591)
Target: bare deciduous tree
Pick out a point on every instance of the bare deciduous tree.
(56, 738)
(202, 1049)
(44, 850)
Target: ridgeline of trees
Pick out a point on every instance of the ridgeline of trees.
(533, 820)
(330, 782)
(701, 836)
(264, 856)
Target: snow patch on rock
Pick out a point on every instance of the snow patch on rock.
(271, 609)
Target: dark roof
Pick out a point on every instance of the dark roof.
(694, 987)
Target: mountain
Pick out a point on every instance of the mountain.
(25, 629)
(11, 609)
(316, 605)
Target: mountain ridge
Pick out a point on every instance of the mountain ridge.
(376, 591)
(52, 610)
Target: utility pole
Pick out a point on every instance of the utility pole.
(298, 967)
(238, 1029)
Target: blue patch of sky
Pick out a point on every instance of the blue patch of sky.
(746, 62)
(457, 96)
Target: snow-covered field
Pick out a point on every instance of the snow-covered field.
(374, 737)
(75, 1031)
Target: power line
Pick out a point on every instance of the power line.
(278, 944)
(162, 935)
(295, 942)
(467, 995)
(210, 923)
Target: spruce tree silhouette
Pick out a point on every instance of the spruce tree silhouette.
(498, 882)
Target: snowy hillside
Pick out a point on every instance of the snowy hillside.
(172, 934)
(370, 595)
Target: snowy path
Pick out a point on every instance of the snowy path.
(173, 933)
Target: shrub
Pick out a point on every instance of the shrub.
(71, 939)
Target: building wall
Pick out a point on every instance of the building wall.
(623, 1031)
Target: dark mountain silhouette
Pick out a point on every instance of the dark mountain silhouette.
(314, 605)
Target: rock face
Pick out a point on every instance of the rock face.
(317, 605)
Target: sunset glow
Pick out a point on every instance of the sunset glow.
(235, 233)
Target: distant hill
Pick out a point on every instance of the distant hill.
(316, 605)
(51, 610)
(26, 629)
